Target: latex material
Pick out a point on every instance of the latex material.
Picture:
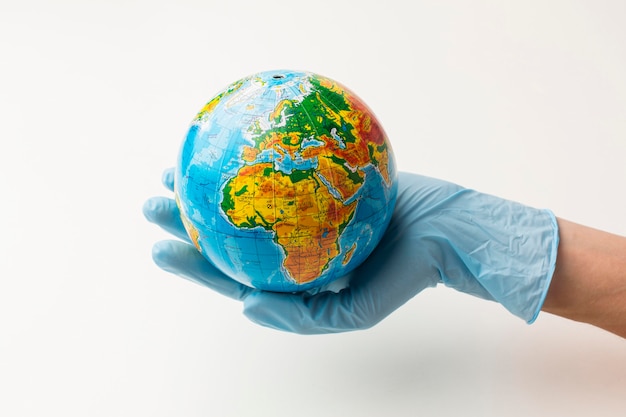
(440, 233)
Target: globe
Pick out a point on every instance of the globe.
(285, 181)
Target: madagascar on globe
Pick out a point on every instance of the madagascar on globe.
(285, 181)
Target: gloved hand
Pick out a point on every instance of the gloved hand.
(439, 233)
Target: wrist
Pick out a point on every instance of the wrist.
(589, 282)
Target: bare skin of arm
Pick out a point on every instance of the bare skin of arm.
(589, 282)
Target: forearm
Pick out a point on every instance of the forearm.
(589, 282)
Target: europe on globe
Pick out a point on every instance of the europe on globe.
(285, 181)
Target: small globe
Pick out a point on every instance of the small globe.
(285, 181)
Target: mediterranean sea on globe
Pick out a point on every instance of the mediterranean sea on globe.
(285, 181)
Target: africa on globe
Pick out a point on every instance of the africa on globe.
(285, 181)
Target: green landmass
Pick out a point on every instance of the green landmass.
(242, 191)
(302, 174)
(308, 117)
(227, 201)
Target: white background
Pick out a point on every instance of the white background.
(525, 100)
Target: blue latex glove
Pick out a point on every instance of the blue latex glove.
(439, 233)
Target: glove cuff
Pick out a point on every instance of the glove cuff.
(547, 279)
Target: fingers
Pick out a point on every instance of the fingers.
(371, 296)
(326, 312)
(185, 261)
(168, 179)
(164, 212)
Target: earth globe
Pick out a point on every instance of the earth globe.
(285, 181)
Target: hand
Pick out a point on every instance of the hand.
(439, 233)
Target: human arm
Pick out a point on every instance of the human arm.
(589, 282)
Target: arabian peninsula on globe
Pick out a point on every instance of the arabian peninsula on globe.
(285, 181)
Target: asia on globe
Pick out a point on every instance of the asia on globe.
(285, 181)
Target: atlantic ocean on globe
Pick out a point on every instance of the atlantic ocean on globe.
(285, 181)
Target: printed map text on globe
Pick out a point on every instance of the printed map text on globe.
(285, 181)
